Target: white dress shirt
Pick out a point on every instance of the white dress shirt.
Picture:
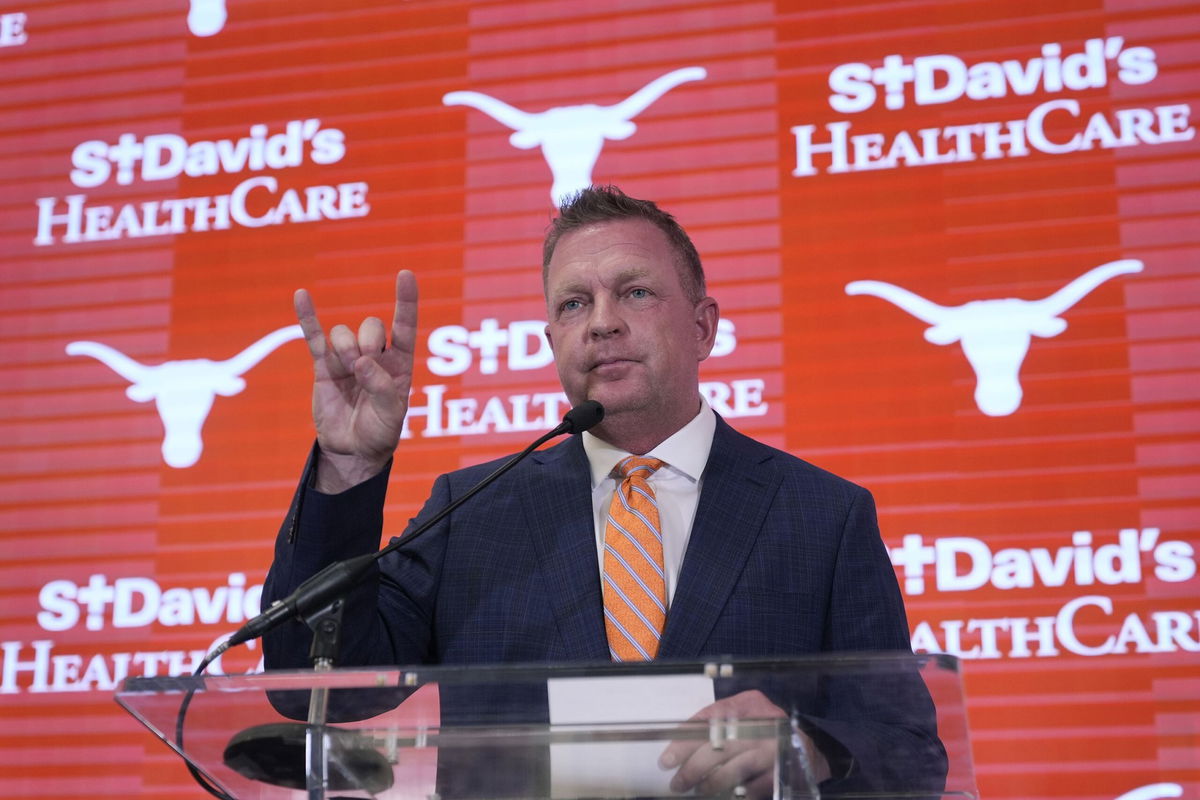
(676, 486)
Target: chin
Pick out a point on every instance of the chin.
(617, 403)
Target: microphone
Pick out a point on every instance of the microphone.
(583, 416)
(336, 579)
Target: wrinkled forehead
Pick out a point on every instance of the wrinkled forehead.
(618, 249)
(587, 281)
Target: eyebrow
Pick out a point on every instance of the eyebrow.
(624, 276)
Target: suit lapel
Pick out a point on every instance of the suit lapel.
(559, 514)
(739, 484)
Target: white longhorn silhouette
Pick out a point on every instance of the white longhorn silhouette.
(571, 137)
(1155, 791)
(995, 334)
(206, 17)
(184, 390)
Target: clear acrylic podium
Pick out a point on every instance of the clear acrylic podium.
(888, 726)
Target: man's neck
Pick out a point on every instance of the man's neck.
(686, 450)
(637, 435)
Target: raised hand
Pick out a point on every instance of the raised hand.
(360, 387)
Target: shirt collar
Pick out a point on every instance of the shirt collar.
(686, 450)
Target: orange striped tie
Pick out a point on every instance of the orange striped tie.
(635, 587)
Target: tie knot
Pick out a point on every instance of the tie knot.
(638, 467)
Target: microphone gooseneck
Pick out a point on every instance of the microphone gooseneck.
(336, 579)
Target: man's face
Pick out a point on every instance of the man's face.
(622, 328)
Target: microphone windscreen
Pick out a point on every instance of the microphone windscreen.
(583, 416)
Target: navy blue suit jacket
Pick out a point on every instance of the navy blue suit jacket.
(784, 559)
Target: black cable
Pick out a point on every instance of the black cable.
(197, 775)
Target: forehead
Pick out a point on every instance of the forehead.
(628, 245)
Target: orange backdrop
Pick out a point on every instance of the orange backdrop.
(1026, 416)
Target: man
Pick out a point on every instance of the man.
(782, 558)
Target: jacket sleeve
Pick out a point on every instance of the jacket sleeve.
(388, 616)
(880, 726)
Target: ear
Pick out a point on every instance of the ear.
(549, 338)
(707, 314)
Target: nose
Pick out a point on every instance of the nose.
(605, 320)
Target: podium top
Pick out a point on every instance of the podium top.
(827, 664)
(889, 725)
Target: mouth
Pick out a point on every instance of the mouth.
(604, 365)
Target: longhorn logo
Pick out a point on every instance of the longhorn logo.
(1155, 791)
(206, 17)
(995, 334)
(571, 137)
(184, 391)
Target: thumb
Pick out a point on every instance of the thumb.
(371, 377)
(381, 388)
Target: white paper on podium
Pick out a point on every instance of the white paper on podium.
(600, 769)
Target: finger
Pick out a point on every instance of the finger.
(752, 766)
(387, 400)
(679, 751)
(404, 324)
(736, 762)
(372, 337)
(345, 346)
(306, 315)
(698, 765)
(377, 383)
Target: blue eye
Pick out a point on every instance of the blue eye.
(639, 294)
(571, 305)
